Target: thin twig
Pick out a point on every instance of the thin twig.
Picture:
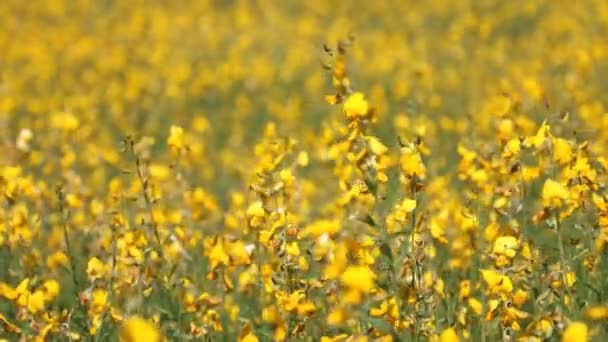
(144, 189)
(64, 215)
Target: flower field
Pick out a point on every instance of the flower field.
(303, 171)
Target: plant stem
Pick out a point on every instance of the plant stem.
(64, 215)
(562, 256)
(144, 189)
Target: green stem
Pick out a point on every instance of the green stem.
(109, 285)
(562, 256)
(64, 215)
(144, 189)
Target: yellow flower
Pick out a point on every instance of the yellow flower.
(449, 335)
(57, 259)
(576, 332)
(333, 99)
(176, 138)
(554, 194)
(359, 278)
(520, 297)
(336, 316)
(506, 245)
(512, 148)
(475, 305)
(99, 298)
(320, 227)
(381, 311)
(530, 173)
(7, 291)
(376, 146)
(570, 279)
(464, 290)
(596, 313)
(96, 268)
(497, 283)
(492, 309)
(543, 327)
(511, 315)
(250, 337)
(293, 248)
(411, 163)
(499, 106)
(290, 301)
(306, 308)
(159, 172)
(280, 332)
(408, 205)
(20, 294)
(356, 106)
(256, 214)
(35, 302)
(218, 255)
(537, 140)
(50, 288)
(64, 120)
(247, 334)
(136, 329)
(562, 151)
(600, 202)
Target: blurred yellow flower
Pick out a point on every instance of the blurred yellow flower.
(449, 335)
(320, 227)
(576, 332)
(181, 162)
(356, 106)
(35, 301)
(562, 151)
(597, 313)
(247, 334)
(136, 329)
(506, 245)
(359, 278)
(176, 138)
(497, 283)
(475, 305)
(96, 268)
(554, 194)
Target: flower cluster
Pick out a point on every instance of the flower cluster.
(176, 171)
